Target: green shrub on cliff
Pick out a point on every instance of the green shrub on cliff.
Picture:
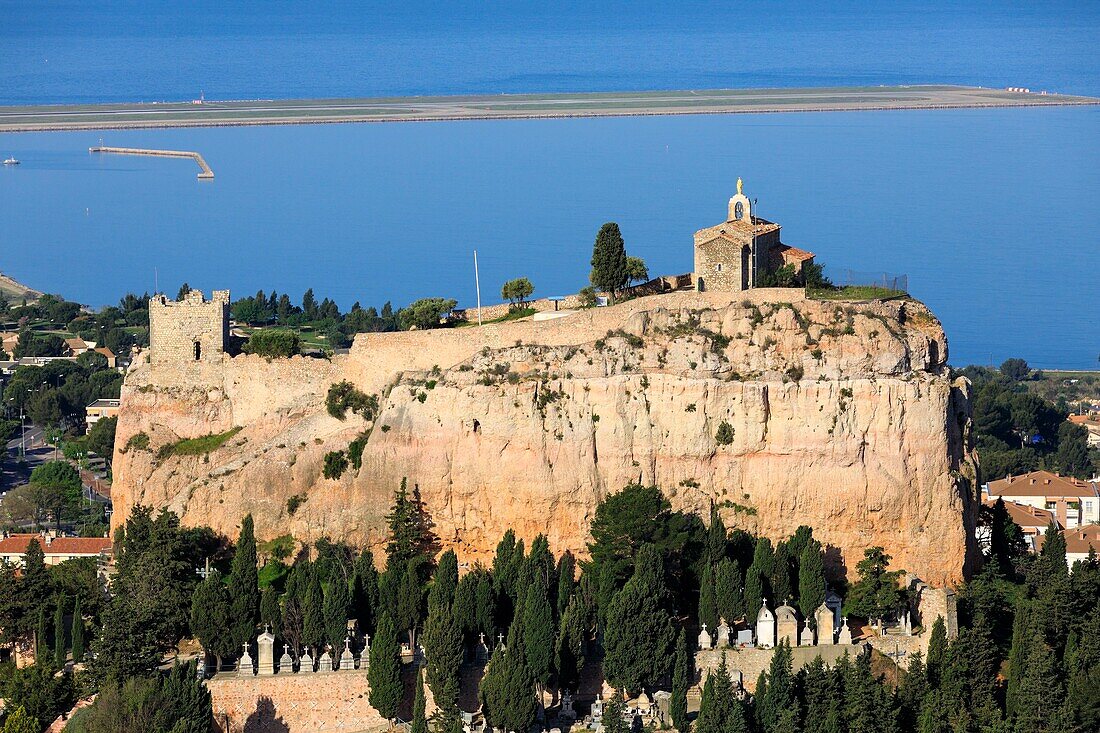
(273, 343)
(343, 396)
(336, 462)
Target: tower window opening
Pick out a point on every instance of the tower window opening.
(198, 351)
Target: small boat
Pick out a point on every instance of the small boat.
(11, 161)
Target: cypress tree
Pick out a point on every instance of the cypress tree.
(448, 719)
(822, 699)
(384, 671)
(707, 721)
(613, 715)
(41, 647)
(419, 719)
(639, 639)
(867, 704)
(244, 588)
(682, 677)
(779, 695)
(486, 607)
(410, 600)
(445, 581)
(313, 613)
(811, 579)
(364, 591)
(337, 600)
(210, 617)
(911, 694)
(937, 653)
(729, 595)
(566, 581)
(717, 537)
(59, 633)
(538, 633)
(782, 589)
(708, 601)
(465, 606)
(609, 270)
(443, 647)
(269, 609)
(571, 644)
(78, 633)
(719, 710)
(507, 690)
(1039, 695)
(756, 578)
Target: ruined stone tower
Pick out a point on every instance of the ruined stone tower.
(191, 330)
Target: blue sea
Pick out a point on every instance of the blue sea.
(992, 214)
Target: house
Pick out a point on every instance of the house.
(78, 346)
(100, 409)
(57, 550)
(112, 360)
(1033, 521)
(1092, 425)
(1079, 542)
(8, 341)
(1073, 501)
(736, 254)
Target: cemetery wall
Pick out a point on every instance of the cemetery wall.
(844, 418)
(750, 662)
(329, 702)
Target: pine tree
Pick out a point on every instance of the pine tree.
(20, 722)
(384, 670)
(867, 704)
(811, 579)
(911, 694)
(78, 633)
(337, 600)
(609, 267)
(244, 589)
(419, 719)
(822, 698)
(682, 678)
(729, 595)
(1039, 696)
(639, 639)
(719, 709)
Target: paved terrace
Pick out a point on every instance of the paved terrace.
(517, 106)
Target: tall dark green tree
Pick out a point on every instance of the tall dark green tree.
(639, 638)
(270, 611)
(443, 646)
(937, 653)
(757, 585)
(779, 695)
(59, 633)
(877, 593)
(811, 578)
(364, 591)
(78, 632)
(419, 719)
(210, 618)
(507, 691)
(244, 586)
(538, 633)
(572, 643)
(609, 265)
(728, 591)
(336, 603)
(313, 612)
(682, 677)
(566, 582)
(867, 704)
(384, 671)
(708, 598)
(719, 709)
(782, 586)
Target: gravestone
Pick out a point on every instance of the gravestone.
(824, 621)
(704, 639)
(765, 627)
(908, 624)
(597, 709)
(347, 658)
(305, 664)
(845, 633)
(567, 711)
(807, 638)
(723, 634)
(286, 662)
(786, 625)
(327, 662)
(744, 637)
(244, 668)
(482, 652)
(265, 653)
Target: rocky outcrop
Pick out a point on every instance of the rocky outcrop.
(837, 415)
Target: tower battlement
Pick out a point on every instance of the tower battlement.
(190, 330)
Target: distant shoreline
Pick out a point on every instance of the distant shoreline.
(204, 113)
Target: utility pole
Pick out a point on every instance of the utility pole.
(477, 284)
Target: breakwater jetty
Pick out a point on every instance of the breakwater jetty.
(205, 173)
(207, 113)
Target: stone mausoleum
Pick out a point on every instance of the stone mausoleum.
(735, 254)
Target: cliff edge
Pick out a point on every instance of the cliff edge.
(781, 410)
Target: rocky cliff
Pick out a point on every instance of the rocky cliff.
(839, 416)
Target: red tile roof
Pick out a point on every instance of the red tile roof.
(792, 254)
(17, 544)
(1079, 539)
(1027, 516)
(1041, 483)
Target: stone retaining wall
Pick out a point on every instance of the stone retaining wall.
(300, 703)
(750, 662)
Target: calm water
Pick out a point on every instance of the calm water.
(992, 214)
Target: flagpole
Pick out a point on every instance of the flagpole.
(477, 284)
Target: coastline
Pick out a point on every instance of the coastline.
(202, 113)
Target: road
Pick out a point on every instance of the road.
(517, 106)
(13, 473)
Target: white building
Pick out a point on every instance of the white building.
(1074, 502)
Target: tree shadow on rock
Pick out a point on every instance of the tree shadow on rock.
(265, 719)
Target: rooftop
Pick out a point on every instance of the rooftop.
(736, 230)
(17, 544)
(1027, 516)
(1042, 483)
(1079, 540)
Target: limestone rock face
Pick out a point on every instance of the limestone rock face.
(838, 416)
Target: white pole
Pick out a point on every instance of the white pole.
(477, 284)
